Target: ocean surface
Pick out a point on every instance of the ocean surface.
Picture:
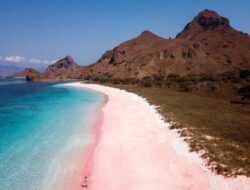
(40, 123)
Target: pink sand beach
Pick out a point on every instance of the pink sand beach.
(135, 149)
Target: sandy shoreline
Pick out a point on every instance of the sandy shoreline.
(135, 149)
(90, 149)
(80, 158)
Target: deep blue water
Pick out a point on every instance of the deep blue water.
(39, 124)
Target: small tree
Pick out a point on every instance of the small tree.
(244, 74)
(186, 86)
(245, 92)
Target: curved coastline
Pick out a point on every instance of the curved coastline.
(90, 149)
(75, 179)
(146, 154)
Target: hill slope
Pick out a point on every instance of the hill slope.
(208, 44)
(65, 68)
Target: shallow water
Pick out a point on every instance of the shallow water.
(39, 122)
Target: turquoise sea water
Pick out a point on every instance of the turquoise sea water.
(40, 123)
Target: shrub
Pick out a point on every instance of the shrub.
(210, 77)
(168, 84)
(173, 77)
(117, 81)
(181, 79)
(147, 82)
(86, 77)
(158, 80)
(158, 77)
(194, 78)
(212, 87)
(244, 74)
(245, 92)
(130, 81)
(228, 76)
(186, 86)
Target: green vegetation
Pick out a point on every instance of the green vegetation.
(186, 86)
(244, 74)
(220, 129)
(162, 80)
(245, 92)
(230, 83)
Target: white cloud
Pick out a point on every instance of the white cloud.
(51, 62)
(24, 60)
(14, 59)
(38, 61)
(46, 62)
(34, 60)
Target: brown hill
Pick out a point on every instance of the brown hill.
(133, 58)
(208, 44)
(65, 68)
(62, 66)
(22, 73)
(32, 73)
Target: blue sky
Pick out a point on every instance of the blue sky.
(36, 32)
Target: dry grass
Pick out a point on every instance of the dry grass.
(220, 129)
